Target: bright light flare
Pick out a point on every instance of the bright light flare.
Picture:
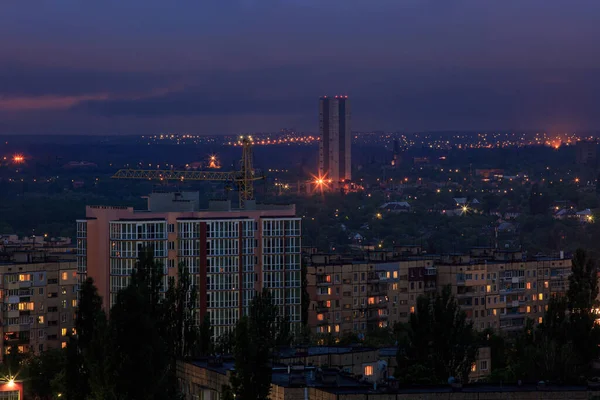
(18, 159)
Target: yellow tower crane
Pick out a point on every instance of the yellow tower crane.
(244, 178)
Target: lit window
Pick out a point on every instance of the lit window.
(473, 367)
(528, 285)
(489, 288)
(368, 370)
(395, 274)
(541, 296)
(494, 311)
(63, 332)
(546, 284)
(412, 310)
(328, 290)
(41, 319)
(320, 317)
(65, 276)
(371, 300)
(337, 328)
(528, 309)
(540, 320)
(328, 303)
(74, 303)
(63, 345)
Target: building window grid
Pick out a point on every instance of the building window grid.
(138, 230)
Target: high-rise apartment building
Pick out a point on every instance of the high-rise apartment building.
(38, 291)
(230, 253)
(335, 146)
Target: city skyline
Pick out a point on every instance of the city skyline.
(258, 66)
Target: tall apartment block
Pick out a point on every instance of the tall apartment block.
(335, 147)
(230, 253)
(496, 289)
(38, 291)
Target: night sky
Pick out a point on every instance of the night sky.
(230, 66)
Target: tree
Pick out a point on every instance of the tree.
(46, 374)
(438, 341)
(139, 355)
(205, 345)
(180, 306)
(581, 296)
(90, 326)
(255, 340)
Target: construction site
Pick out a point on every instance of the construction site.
(241, 180)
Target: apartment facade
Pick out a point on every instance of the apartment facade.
(496, 289)
(231, 254)
(379, 290)
(39, 296)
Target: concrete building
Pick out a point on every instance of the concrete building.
(335, 146)
(586, 153)
(38, 291)
(497, 289)
(349, 294)
(206, 379)
(230, 253)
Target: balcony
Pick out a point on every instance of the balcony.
(379, 304)
(375, 317)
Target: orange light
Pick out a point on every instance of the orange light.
(18, 158)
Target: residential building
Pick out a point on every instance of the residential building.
(586, 153)
(230, 253)
(502, 289)
(206, 379)
(350, 294)
(335, 146)
(497, 289)
(39, 295)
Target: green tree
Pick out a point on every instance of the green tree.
(46, 374)
(139, 354)
(90, 327)
(255, 340)
(438, 341)
(581, 296)
(205, 344)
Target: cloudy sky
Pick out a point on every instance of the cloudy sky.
(230, 66)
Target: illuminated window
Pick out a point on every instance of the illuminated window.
(394, 286)
(74, 331)
(63, 332)
(24, 277)
(412, 310)
(528, 309)
(328, 290)
(371, 300)
(473, 367)
(329, 329)
(74, 303)
(63, 345)
(328, 303)
(395, 274)
(41, 319)
(337, 328)
(546, 284)
(528, 285)
(541, 296)
(368, 370)
(65, 276)
(328, 278)
(540, 320)
(489, 288)
(494, 311)
(320, 317)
